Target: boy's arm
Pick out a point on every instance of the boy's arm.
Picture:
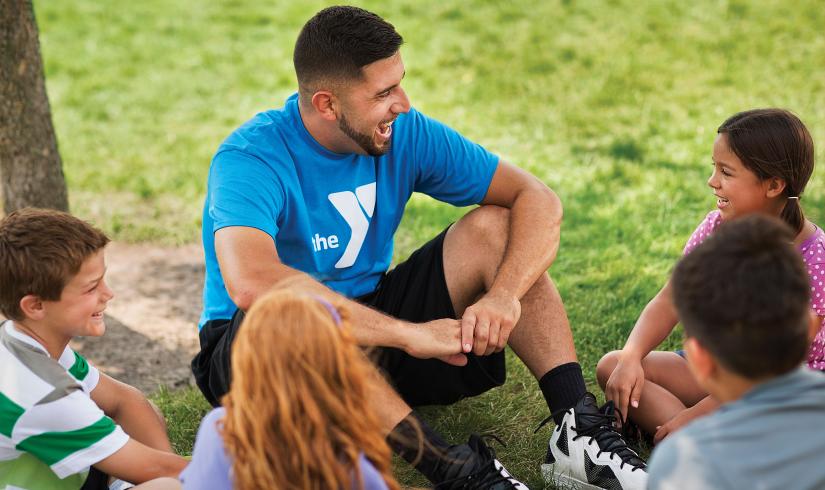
(136, 415)
(138, 463)
(655, 323)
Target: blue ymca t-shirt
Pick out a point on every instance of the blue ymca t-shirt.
(331, 215)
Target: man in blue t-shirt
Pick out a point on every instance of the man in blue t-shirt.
(319, 187)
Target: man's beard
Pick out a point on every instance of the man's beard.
(365, 141)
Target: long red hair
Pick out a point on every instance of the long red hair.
(298, 414)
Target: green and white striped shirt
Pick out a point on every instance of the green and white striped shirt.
(51, 431)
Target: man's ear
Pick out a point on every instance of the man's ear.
(32, 307)
(325, 104)
(776, 187)
(814, 324)
(701, 362)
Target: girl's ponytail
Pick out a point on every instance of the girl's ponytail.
(792, 214)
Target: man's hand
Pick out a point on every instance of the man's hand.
(438, 338)
(487, 324)
(625, 384)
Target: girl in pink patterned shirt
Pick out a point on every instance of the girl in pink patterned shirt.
(762, 160)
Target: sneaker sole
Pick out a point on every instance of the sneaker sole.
(562, 481)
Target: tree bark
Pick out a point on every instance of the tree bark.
(30, 165)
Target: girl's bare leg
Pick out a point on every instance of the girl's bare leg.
(669, 387)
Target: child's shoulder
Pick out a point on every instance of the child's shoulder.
(32, 374)
(712, 220)
(813, 249)
(707, 226)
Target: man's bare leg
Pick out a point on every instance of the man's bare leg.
(473, 250)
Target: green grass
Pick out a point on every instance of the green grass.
(614, 104)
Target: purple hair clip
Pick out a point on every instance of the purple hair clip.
(331, 309)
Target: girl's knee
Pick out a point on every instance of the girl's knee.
(606, 366)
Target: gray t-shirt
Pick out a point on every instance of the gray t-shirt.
(770, 438)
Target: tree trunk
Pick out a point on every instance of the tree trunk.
(30, 166)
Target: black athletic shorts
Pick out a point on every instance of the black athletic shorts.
(416, 291)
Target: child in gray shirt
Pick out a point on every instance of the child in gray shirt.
(742, 297)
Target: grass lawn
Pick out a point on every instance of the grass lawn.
(613, 104)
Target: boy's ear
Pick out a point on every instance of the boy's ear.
(776, 186)
(32, 307)
(701, 362)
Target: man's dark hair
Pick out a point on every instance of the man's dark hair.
(337, 42)
(744, 295)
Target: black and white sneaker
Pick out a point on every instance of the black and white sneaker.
(474, 466)
(587, 452)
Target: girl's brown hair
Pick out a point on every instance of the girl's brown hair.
(298, 414)
(774, 143)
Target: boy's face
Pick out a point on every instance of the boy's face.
(79, 312)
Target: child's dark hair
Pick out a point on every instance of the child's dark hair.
(40, 251)
(337, 42)
(774, 143)
(744, 295)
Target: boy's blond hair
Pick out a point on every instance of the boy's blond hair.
(40, 251)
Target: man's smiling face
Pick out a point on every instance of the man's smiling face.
(369, 106)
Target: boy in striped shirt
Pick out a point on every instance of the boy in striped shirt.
(59, 415)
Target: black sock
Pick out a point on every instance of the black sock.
(562, 387)
(419, 445)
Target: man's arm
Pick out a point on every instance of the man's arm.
(136, 415)
(535, 224)
(532, 244)
(250, 266)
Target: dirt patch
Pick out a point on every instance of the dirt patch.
(151, 324)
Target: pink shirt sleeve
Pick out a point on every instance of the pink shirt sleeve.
(704, 230)
(813, 253)
(814, 257)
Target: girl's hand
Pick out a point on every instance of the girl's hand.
(625, 384)
(680, 420)
(704, 407)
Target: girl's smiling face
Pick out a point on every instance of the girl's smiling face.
(738, 190)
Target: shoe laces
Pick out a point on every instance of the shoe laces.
(486, 474)
(602, 430)
(601, 427)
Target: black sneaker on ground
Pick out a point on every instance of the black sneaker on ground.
(636, 439)
(587, 452)
(474, 466)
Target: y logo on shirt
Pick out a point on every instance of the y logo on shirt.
(356, 208)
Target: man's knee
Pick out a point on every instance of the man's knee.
(606, 366)
(487, 227)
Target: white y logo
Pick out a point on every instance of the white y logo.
(350, 206)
